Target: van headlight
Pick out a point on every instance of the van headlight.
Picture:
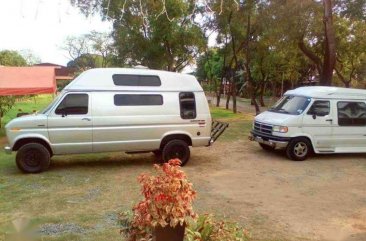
(280, 129)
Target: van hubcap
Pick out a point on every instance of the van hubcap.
(177, 152)
(32, 158)
(300, 149)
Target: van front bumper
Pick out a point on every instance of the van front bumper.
(7, 150)
(274, 141)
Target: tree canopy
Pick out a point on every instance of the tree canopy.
(11, 58)
(262, 46)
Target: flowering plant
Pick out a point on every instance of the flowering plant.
(167, 199)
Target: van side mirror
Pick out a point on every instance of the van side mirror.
(63, 113)
(314, 116)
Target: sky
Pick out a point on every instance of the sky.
(42, 26)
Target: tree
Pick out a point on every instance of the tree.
(102, 46)
(85, 61)
(30, 57)
(11, 58)
(157, 34)
(76, 46)
(209, 68)
(330, 45)
(93, 50)
(351, 54)
(6, 103)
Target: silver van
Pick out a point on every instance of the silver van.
(116, 109)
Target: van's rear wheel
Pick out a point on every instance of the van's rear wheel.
(299, 149)
(176, 149)
(266, 147)
(33, 158)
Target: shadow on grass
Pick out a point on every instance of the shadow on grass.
(338, 156)
(104, 161)
(280, 155)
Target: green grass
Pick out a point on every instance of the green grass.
(239, 123)
(221, 113)
(85, 190)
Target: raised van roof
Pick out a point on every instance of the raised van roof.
(112, 79)
(329, 92)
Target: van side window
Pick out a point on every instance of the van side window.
(136, 80)
(319, 108)
(351, 113)
(73, 104)
(187, 105)
(134, 100)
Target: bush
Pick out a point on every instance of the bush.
(168, 198)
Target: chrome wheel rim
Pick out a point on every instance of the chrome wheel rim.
(300, 149)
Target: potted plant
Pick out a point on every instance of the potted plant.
(167, 204)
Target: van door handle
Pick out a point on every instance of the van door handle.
(329, 120)
(86, 119)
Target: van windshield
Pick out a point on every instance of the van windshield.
(293, 105)
(45, 110)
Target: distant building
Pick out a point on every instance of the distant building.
(61, 72)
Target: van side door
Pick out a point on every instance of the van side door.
(350, 129)
(70, 124)
(318, 123)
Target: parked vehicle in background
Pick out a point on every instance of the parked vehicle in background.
(116, 109)
(314, 119)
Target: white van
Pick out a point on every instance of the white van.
(314, 119)
(116, 109)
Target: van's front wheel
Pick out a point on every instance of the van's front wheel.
(33, 158)
(176, 149)
(298, 149)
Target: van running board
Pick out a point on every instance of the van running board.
(217, 129)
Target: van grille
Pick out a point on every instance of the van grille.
(262, 128)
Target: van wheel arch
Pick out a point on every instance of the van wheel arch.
(18, 144)
(182, 137)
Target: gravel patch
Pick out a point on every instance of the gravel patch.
(61, 228)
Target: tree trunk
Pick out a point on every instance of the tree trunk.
(256, 106)
(219, 93)
(228, 100)
(261, 94)
(218, 96)
(251, 88)
(330, 46)
(233, 93)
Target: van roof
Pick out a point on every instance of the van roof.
(328, 92)
(101, 79)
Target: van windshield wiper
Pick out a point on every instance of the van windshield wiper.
(283, 111)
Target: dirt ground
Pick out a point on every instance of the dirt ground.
(323, 198)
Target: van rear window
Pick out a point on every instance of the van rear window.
(137, 100)
(136, 80)
(187, 105)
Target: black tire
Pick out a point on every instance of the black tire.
(157, 153)
(266, 147)
(33, 158)
(299, 149)
(176, 149)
